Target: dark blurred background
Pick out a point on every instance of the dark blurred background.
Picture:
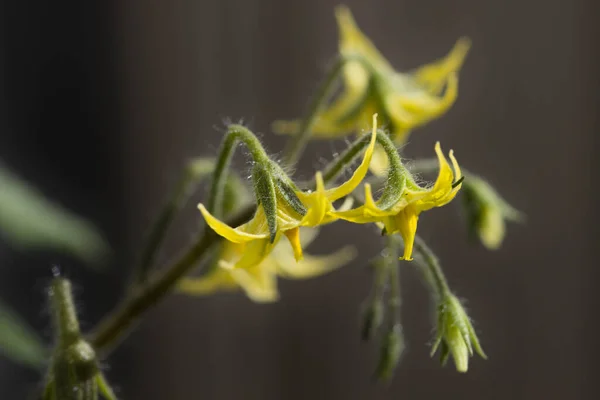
(102, 102)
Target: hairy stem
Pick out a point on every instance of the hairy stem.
(235, 134)
(145, 295)
(194, 172)
(432, 269)
(297, 144)
(395, 299)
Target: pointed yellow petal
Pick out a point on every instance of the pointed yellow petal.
(433, 75)
(445, 175)
(356, 215)
(255, 253)
(408, 111)
(359, 174)
(313, 266)
(457, 171)
(371, 208)
(229, 233)
(353, 41)
(316, 203)
(259, 283)
(217, 280)
(293, 236)
(407, 224)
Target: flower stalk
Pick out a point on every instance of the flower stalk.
(297, 143)
(74, 373)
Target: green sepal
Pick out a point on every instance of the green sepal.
(455, 334)
(289, 197)
(264, 189)
(397, 174)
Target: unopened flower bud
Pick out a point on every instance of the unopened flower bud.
(455, 334)
(74, 372)
(391, 350)
(487, 212)
(372, 317)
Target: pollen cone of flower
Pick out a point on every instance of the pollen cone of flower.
(403, 200)
(283, 209)
(487, 212)
(259, 281)
(403, 100)
(455, 334)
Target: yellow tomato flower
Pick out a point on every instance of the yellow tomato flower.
(319, 208)
(259, 280)
(404, 100)
(403, 215)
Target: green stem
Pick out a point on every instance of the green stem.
(145, 295)
(194, 172)
(341, 162)
(235, 134)
(64, 312)
(395, 299)
(297, 144)
(433, 272)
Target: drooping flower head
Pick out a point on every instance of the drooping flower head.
(399, 212)
(284, 209)
(259, 280)
(404, 101)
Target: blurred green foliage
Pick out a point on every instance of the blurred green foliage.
(18, 341)
(29, 221)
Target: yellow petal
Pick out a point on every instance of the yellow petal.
(359, 174)
(407, 223)
(353, 41)
(316, 202)
(433, 75)
(371, 208)
(356, 215)
(313, 266)
(408, 111)
(457, 171)
(445, 175)
(216, 280)
(293, 236)
(255, 253)
(229, 233)
(259, 283)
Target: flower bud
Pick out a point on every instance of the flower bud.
(391, 351)
(74, 372)
(372, 317)
(487, 212)
(455, 334)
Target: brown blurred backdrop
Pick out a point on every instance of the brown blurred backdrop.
(102, 103)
